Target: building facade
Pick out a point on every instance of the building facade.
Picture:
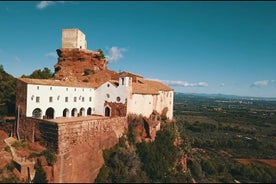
(50, 99)
(125, 94)
(73, 38)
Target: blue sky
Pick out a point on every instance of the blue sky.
(226, 47)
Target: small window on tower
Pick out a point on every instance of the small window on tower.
(37, 99)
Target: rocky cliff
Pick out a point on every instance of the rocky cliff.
(75, 64)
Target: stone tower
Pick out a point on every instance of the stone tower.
(73, 38)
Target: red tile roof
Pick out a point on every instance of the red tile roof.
(139, 84)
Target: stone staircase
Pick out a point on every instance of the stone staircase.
(26, 166)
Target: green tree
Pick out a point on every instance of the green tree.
(102, 56)
(40, 74)
(7, 93)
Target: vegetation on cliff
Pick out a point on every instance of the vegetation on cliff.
(223, 140)
(7, 93)
(8, 87)
(157, 161)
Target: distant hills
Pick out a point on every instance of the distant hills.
(223, 96)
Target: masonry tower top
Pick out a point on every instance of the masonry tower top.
(73, 38)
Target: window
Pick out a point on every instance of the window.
(37, 87)
(107, 95)
(37, 99)
(75, 89)
(90, 99)
(118, 99)
(82, 99)
(75, 99)
(123, 81)
(108, 85)
(66, 99)
(51, 88)
(50, 99)
(66, 89)
(82, 89)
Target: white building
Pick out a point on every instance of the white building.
(46, 98)
(125, 94)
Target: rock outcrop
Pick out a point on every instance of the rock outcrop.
(75, 64)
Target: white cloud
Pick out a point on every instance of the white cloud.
(183, 83)
(260, 83)
(115, 53)
(51, 55)
(44, 4)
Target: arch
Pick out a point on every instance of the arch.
(74, 112)
(50, 112)
(37, 113)
(82, 111)
(89, 111)
(66, 112)
(107, 111)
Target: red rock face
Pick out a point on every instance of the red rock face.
(75, 64)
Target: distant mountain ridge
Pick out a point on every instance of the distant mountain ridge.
(224, 96)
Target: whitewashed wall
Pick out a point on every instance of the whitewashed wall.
(109, 89)
(140, 104)
(145, 104)
(58, 104)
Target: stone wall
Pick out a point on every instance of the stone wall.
(80, 147)
(117, 109)
(44, 132)
(78, 144)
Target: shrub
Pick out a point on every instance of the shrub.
(50, 156)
